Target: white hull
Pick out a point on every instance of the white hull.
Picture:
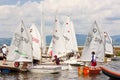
(45, 69)
(74, 62)
(62, 65)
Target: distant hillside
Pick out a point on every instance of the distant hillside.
(5, 41)
(116, 39)
(80, 40)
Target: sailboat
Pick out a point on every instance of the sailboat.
(108, 44)
(71, 47)
(20, 49)
(58, 45)
(94, 42)
(69, 36)
(36, 44)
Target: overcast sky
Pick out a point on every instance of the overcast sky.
(82, 12)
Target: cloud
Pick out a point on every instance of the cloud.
(82, 12)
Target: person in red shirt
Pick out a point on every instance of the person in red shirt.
(57, 61)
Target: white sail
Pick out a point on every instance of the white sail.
(36, 42)
(108, 44)
(20, 45)
(58, 40)
(94, 42)
(69, 36)
(75, 46)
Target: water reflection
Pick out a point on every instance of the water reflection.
(9, 76)
(113, 79)
(64, 75)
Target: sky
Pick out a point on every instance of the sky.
(83, 13)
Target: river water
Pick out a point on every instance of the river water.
(64, 75)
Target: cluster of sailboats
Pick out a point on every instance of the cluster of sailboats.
(28, 45)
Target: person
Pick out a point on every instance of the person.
(24, 66)
(4, 61)
(35, 62)
(78, 55)
(57, 61)
(4, 51)
(93, 61)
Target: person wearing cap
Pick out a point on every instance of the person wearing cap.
(56, 60)
(4, 51)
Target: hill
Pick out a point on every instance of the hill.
(82, 37)
(116, 40)
(80, 40)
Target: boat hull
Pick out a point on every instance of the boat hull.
(94, 70)
(45, 69)
(111, 71)
(110, 75)
(74, 62)
(62, 65)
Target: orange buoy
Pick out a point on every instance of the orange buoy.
(85, 70)
(16, 64)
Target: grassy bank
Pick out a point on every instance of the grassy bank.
(116, 50)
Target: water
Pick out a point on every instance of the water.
(64, 75)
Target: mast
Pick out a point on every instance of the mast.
(42, 35)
